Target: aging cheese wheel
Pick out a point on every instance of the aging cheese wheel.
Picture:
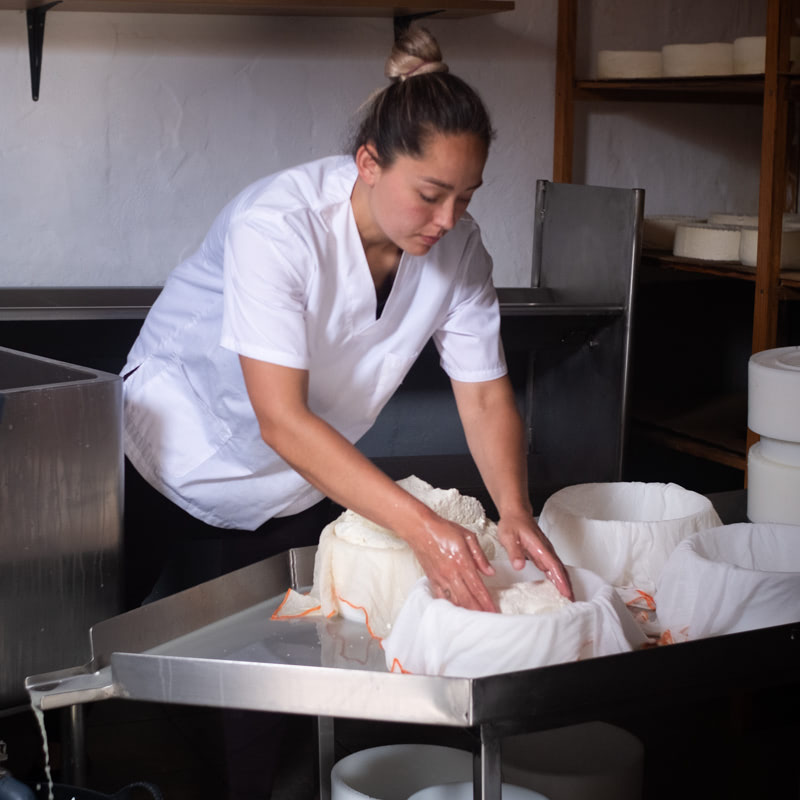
(790, 246)
(773, 394)
(697, 60)
(707, 242)
(720, 218)
(659, 230)
(749, 53)
(630, 64)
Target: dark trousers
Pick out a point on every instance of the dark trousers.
(168, 550)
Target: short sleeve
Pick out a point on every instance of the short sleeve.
(265, 282)
(469, 343)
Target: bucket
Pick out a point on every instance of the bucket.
(396, 771)
(464, 790)
(590, 761)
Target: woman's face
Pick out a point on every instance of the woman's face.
(413, 202)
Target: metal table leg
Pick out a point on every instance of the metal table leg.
(325, 755)
(74, 764)
(486, 766)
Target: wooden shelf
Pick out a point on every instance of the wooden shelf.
(721, 89)
(715, 430)
(789, 280)
(449, 9)
(776, 92)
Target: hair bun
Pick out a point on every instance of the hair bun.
(416, 52)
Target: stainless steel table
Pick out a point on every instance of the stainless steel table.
(215, 645)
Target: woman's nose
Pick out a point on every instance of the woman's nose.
(446, 216)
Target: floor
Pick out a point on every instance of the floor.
(728, 747)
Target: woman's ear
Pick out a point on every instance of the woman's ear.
(368, 167)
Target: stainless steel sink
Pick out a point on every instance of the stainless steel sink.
(60, 513)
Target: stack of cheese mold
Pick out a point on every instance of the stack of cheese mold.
(730, 579)
(773, 463)
(624, 532)
(628, 64)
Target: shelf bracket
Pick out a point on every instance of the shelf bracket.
(403, 21)
(36, 17)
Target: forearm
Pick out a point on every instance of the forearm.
(339, 470)
(495, 435)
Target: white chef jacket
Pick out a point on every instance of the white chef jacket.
(282, 277)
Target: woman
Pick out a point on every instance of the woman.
(274, 347)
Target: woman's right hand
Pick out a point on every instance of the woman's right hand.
(454, 562)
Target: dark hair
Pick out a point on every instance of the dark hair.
(423, 99)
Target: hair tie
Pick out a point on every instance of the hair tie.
(424, 67)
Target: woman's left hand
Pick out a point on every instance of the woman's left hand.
(523, 538)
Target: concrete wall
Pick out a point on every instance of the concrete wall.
(147, 124)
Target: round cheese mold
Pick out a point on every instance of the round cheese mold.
(773, 393)
(697, 60)
(729, 579)
(364, 572)
(434, 637)
(773, 489)
(623, 532)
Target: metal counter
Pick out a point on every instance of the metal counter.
(215, 645)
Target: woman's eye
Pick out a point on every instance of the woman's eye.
(427, 199)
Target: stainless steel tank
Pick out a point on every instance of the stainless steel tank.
(61, 477)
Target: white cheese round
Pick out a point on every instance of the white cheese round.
(748, 55)
(707, 242)
(658, 231)
(724, 218)
(790, 246)
(628, 64)
(697, 60)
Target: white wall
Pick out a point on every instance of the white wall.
(147, 124)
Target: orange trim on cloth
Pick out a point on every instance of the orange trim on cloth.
(366, 616)
(276, 614)
(651, 603)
